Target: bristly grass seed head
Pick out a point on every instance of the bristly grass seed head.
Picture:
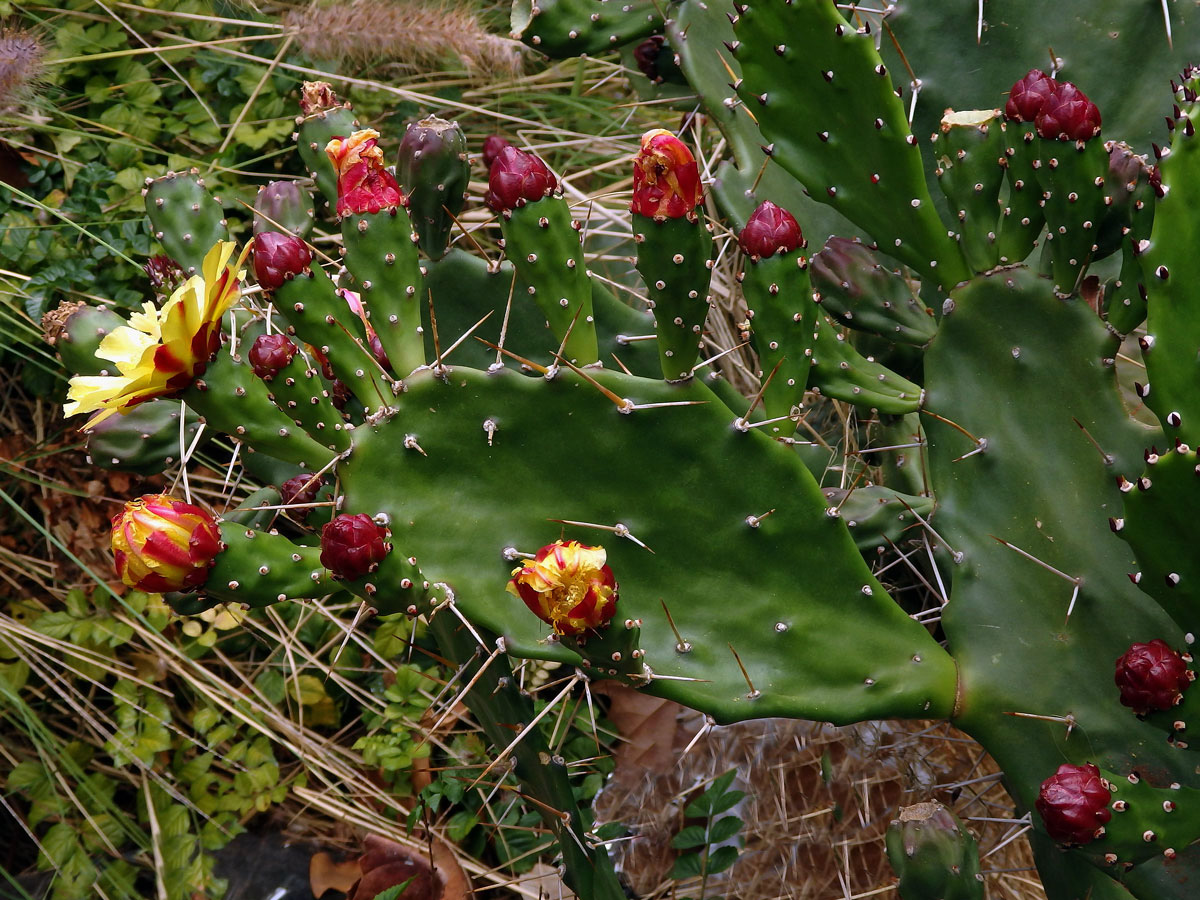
(21, 53)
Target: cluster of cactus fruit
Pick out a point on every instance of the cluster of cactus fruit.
(671, 534)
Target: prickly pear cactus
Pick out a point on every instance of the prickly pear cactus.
(659, 530)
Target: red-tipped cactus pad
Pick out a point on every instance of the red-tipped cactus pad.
(1068, 115)
(770, 230)
(269, 353)
(1027, 96)
(163, 544)
(278, 257)
(517, 178)
(1151, 677)
(1073, 804)
(353, 546)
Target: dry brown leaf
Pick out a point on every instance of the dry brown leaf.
(385, 863)
(326, 875)
(646, 723)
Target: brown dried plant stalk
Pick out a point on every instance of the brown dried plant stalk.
(415, 33)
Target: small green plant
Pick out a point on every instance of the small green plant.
(706, 848)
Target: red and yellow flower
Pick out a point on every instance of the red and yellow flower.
(364, 183)
(162, 351)
(163, 544)
(666, 179)
(569, 586)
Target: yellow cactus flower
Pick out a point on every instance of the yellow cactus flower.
(569, 586)
(162, 351)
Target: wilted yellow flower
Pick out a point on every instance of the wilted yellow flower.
(569, 586)
(162, 351)
(163, 544)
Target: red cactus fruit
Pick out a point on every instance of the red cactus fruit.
(269, 353)
(163, 544)
(278, 258)
(666, 179)
(299, 491)
(1073, 803)
(770, 230)
(1027, 96)
(1068, 115)
(1151, 676)
(645, 55)
(353, 546)
(493, 146)
(517, 178)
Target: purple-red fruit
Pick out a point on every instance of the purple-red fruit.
(517, 178)
(646, 54)
(353, 546)
(1073, 803)
(1068, 115)
(770, 230)
(1151, 677)
(278, 257)
(1026, 97)
(269, 353)
(493, 146)
(299, 491)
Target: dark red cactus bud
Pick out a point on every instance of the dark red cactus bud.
(666, 179)
(269, 353)
(378, 352)
(339, 394)
(1026, 97)
(299, 491)
(1151, 676)
(517, 178)
(1068, 115)
(279, 257)
(646, 54)
(353, 546)
(165, 274)
(493, 146)
(1073, 803)
(770, 230)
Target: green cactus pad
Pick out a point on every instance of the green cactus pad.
(543, 244)
(563, 28)
(315, 314)
(841, 372)
(674, 258)
(970, 171)
(488, 462)
(234, 401)
(1020, 369)
(1147, 822)
(784, 320)
(876, 514)
(1157, 522)
(185, 218)
(1021, 215)
(433, 170)
(259, 568)
(1171, 270)
(75, 330)
(935, 857)
(1072, 178)
(381, 254)
(299, 391)
(147, 439)
(824, 100)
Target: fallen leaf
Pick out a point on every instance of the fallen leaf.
(326, 875)
(646, 723)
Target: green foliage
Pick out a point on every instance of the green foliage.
(706, 848)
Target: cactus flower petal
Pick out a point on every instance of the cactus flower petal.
(364, 183)
(569, 586)
(1073, 802)
(1151, 676)
(163, 544)
(161, 351)
(666, 179)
